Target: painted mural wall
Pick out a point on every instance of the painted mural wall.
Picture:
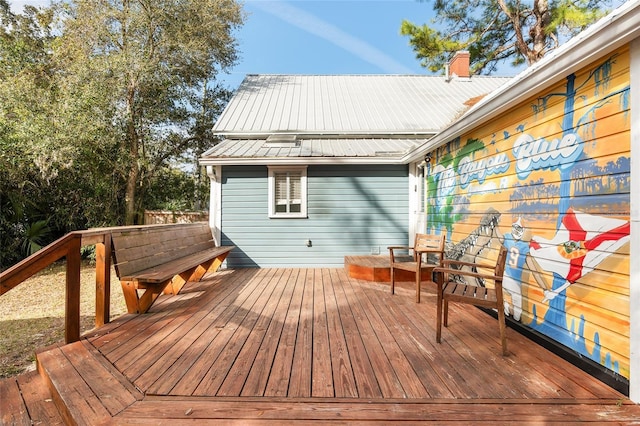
(551, 182)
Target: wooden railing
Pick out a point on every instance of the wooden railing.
(69, 247)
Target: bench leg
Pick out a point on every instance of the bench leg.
(150, 295)
(195, 274)
(137, 304)
(129, 289)
(179, 281)
(216, 263)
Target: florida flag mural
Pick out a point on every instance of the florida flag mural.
(581, 243)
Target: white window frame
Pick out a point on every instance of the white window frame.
(273, 170)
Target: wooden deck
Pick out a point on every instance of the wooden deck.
(257, 346)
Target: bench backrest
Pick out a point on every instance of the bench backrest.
(142, 248)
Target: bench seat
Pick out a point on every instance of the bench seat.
(162, 259)
(161, 273)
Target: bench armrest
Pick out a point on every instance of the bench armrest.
(400, 247)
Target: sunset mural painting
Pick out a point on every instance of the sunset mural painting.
(555, 174)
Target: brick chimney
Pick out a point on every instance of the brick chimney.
(459, 65)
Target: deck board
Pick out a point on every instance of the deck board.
(317, 345)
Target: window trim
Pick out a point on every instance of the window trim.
(273, 170)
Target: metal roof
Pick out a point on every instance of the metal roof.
(356, 150)
(373, 119)
(348, 104)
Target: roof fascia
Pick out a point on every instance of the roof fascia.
(373, 134)
(613, 31)
(300, 161)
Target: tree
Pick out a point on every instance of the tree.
(76, 82)
(153, 63)
(25, 83)
(497, 31)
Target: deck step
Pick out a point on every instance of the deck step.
(375, 268)
(27, 401)
(85, 388)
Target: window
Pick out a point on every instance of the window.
(287, 192)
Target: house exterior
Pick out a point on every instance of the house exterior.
(546, 161)
(542, 165)
(313, 168)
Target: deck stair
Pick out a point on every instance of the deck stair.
(26, 400)
(85, 388)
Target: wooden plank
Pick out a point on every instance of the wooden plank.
(153, 235)
(173, 274)
(103, 281)
(138, 344)
(240, 329)
(37, 398)
(74, 398)
(256, 381)
(211, 382)
(226, 325)
(416, 347)
(321, 372)
(173, 266)
(120, 342)
(481, 338)
(113, 395)
(190, 335)
(548, 379)
(13, 410)
(142, 249)
(376, 268)
(363, 370)
(170, 333)
(400, 366)
(382, 368)
(300, 382)
(344, 382)
(281, 370)
(481, 411)
(246, 359)
(72, 292)
(157, 255)
(187, 355)
(470, 360)
(158, 338)
(419, 321)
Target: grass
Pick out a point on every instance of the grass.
(32, 314)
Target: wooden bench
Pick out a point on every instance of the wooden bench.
(162, 259)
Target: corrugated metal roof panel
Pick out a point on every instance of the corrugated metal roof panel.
(336, 148)
(349, 104)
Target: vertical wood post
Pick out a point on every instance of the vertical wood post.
(72, 296)
(103, 281)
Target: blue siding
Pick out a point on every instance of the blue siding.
(351, 210)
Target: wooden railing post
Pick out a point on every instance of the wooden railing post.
(72, 297)
(103, 281)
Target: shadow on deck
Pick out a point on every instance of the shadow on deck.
(312, 345)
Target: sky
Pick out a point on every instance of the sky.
(324, 37)
(321, 37)
(328, 37)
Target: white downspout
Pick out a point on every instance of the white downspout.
(416, 190)
(215, 202)
(634, 268)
